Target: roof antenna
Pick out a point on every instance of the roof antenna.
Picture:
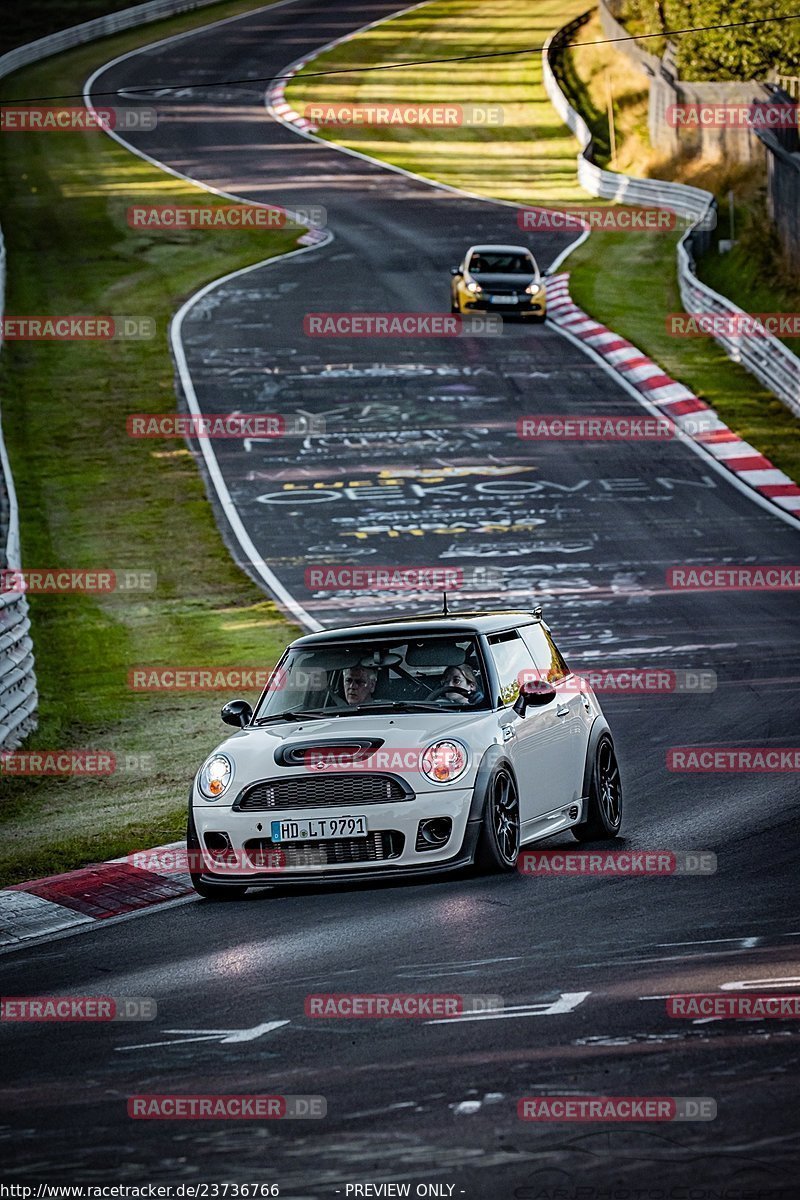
(445, 610)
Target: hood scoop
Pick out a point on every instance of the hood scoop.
(311, 752)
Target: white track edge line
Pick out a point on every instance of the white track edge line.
(273, 584)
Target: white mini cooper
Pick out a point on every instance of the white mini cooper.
(400, 747)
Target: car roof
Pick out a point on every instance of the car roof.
(453, 623)
(501, 249)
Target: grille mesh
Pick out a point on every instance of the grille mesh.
(375, 847)
(321, 791)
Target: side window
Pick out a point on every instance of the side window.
(511, 657)
(545, 653)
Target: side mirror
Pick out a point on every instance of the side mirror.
(455, 270)
(237, 713)
(533, 694)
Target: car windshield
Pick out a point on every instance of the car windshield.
(503, 263)
(403, 674)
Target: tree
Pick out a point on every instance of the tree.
(746, 52)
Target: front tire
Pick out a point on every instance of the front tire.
(498, 843)
(603, 815)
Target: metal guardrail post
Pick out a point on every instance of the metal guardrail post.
(767, 358)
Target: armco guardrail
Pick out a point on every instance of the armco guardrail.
(18, 695)
(18, 698)
(90, 31)
(772, 363)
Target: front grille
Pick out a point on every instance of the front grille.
(377, 846)
(321, 791)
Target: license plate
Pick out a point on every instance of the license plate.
(320, 830)
(502, 299)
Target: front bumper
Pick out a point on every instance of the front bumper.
(401, 819)
(533, 306)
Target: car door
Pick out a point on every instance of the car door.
(534, 742)
(571, 707)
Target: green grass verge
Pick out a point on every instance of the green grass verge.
(90, 496)
(530, 156)
(629, 282)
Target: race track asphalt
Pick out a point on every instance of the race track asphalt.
(592, 528)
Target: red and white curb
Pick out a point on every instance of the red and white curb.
(278, 104)
(95, 893)
(673, 399)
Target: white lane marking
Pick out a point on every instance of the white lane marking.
(747, 942)
(225, 1037)
(253, 558)
(566, 1003)
(432, 971)
(669, 958)
(788, 981)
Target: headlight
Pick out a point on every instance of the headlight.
(533, 288)
(444, 761)
(474, 286)
(215, 776)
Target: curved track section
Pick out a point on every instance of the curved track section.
(420, 464)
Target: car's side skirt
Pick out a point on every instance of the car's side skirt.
(553, 822)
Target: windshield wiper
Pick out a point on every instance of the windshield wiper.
(309, 715)
(388, 706)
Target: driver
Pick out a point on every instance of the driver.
(459, 677)
(359, 684)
